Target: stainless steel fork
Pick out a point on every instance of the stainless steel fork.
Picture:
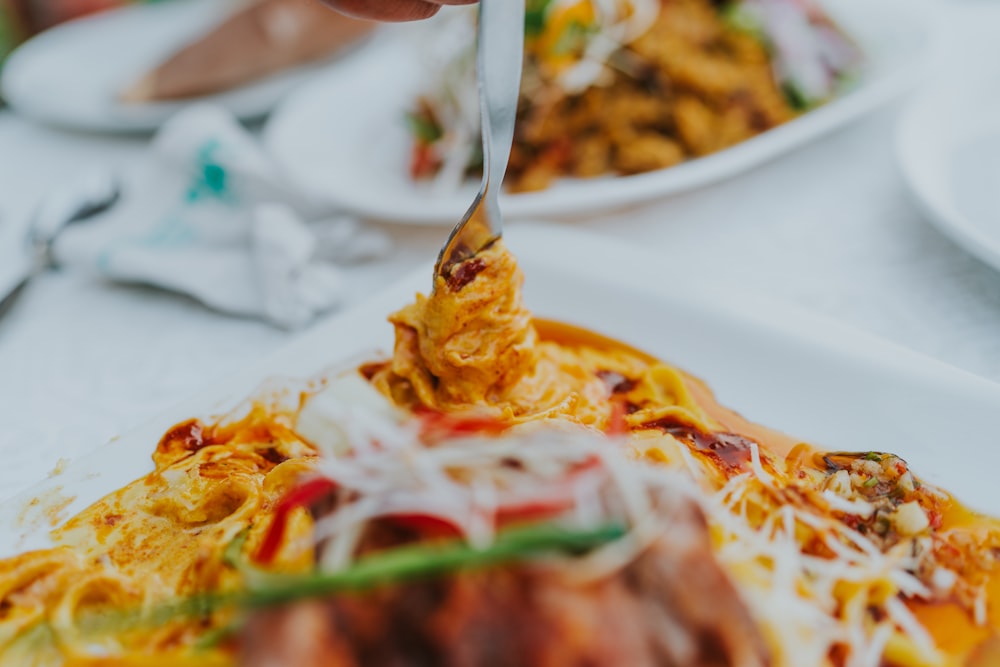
(499, 59)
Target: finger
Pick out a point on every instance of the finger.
(387, 10)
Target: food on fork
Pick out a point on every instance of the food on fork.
(504, 490)
(630, 86)
(265, 38)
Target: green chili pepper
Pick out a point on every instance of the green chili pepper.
(383, 568)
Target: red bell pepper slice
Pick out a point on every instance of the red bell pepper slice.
(302, 495)
(436, 425)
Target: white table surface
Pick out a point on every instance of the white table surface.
(829, 227)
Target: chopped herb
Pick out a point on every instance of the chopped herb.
(736, 17)
(534, 17)
(796, 98)
(423, 128)
(873, 456)
(232, 554)
(869, 483)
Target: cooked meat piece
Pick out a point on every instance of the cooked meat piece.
(649, 151)
(672, 607)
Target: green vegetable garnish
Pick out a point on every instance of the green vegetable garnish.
(796, 98)
(379, 569)
(869, 483)
(736, 17)
(423, 128)
(873, 456)
(425, 560)
(534, 17)
(232, 555)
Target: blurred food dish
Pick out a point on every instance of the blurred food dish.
(351, 143)
(633, 86)
(75, 75)
(948, 148)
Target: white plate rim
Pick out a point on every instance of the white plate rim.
(912, 151)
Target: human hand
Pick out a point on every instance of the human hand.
(392, 10)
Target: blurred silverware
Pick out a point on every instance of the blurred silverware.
(91, 194)
(499, 56)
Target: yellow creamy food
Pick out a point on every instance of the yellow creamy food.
(787, 520)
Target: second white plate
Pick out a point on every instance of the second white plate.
(342, 138)
(948, 147)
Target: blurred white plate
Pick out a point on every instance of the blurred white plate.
(72, 75)
(342, 137)
(948, 148)
(801, 373)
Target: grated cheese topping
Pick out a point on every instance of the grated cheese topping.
(811, 580)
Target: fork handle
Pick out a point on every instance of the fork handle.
(499, 56)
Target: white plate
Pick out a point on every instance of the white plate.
(948, 148)
(804, 374)
(342, 137)
(72, 75)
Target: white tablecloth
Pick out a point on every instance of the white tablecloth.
(829, 227)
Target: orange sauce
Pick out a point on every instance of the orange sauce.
(952, 626)
(730, 420)
(570, 335)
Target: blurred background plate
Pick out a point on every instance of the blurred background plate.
(72, 75)
(343, 138)
(948, 147)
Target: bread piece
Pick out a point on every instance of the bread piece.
(267, 37)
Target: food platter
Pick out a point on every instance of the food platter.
(811, 377)
(343, 140)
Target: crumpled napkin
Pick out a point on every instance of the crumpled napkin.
(209, 215)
